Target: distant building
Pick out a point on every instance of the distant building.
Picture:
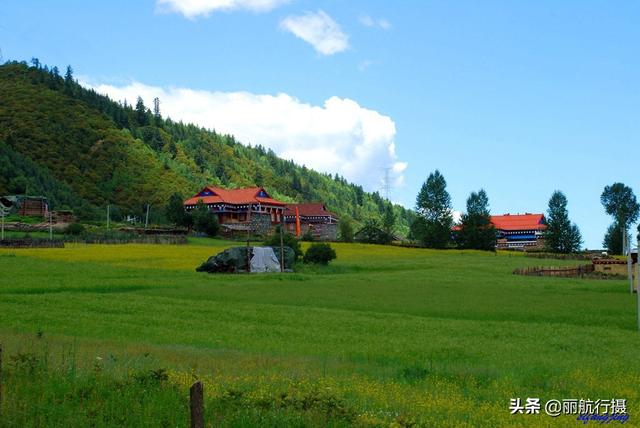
(33, 206)
(519, 231)
(239, 209)
(314, 217)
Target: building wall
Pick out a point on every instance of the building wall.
(611, 269)
(320, 231)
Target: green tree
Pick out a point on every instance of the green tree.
(175, 212)
(476, 230)
(141, 113)
(620, 202)
(613, 239)
(346, 229)
(389, 220)
(561, 236)
(434, 205)
(68, 77)
(205, 221)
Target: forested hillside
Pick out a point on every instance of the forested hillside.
(83, 150)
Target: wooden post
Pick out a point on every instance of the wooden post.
(50, 226)
(196, 401)
(629, 262)
(108, 217)
(0, 380)
(2, 237)
(146, 219)
(281, 247)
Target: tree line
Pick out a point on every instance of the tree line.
(434, 225)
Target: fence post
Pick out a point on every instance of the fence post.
(0, 380)
(197, 405)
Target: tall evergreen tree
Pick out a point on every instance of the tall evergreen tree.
(68, 77)
(476, 230)
(561, 236)
(389, 220)
(613, 239)
(141, 112)
(434, 205)
(175, 212)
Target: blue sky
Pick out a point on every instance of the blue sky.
(519, 98)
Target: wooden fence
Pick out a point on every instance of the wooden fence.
(562, 271)
(31, 243)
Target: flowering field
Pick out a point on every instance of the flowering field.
(385, 336)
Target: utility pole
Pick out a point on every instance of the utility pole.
(108, 216)
(281, 243)
(627, 252)
(50, 226)
(638, 282)
(3, 214)
(146, 220)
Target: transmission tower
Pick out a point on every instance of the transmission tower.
(386, 183)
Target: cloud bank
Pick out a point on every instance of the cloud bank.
(339, 136)
(319, 30)
(194, 8)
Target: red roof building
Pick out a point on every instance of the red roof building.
(314, 217)
(519, 231)
(238, 206)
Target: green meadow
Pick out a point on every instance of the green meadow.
(114, 335)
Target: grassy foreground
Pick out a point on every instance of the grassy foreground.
(114, 335)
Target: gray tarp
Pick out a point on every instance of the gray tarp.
(234, 259)
(264, 260)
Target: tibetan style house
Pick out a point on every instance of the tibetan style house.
(240, 209)
(33, 206)
(519, 231)
(314, 218)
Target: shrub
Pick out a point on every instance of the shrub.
(320, 253)
(307, 236)
(74, 229)
(346, 230)
(288, 239)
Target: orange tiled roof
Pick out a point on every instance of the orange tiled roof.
(313, 209)
(218, 195)
(519, 221)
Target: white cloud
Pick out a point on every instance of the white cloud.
(339, 136)
(364, 65)
(194, 8)
(368, 21)
(319, 30)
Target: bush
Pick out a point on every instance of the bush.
(346, 230)
(320, 253)
(288, 239)
(74, 229)
(307, 236)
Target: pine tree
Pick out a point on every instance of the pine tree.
(560, 236)
(68, 77)
(613, 239)
(434, 205)
(389, 221)
(175, 212)
(141, 112)
(476, 230)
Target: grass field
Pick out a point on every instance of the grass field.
(385, 336)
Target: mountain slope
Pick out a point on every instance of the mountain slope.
(95, 151)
